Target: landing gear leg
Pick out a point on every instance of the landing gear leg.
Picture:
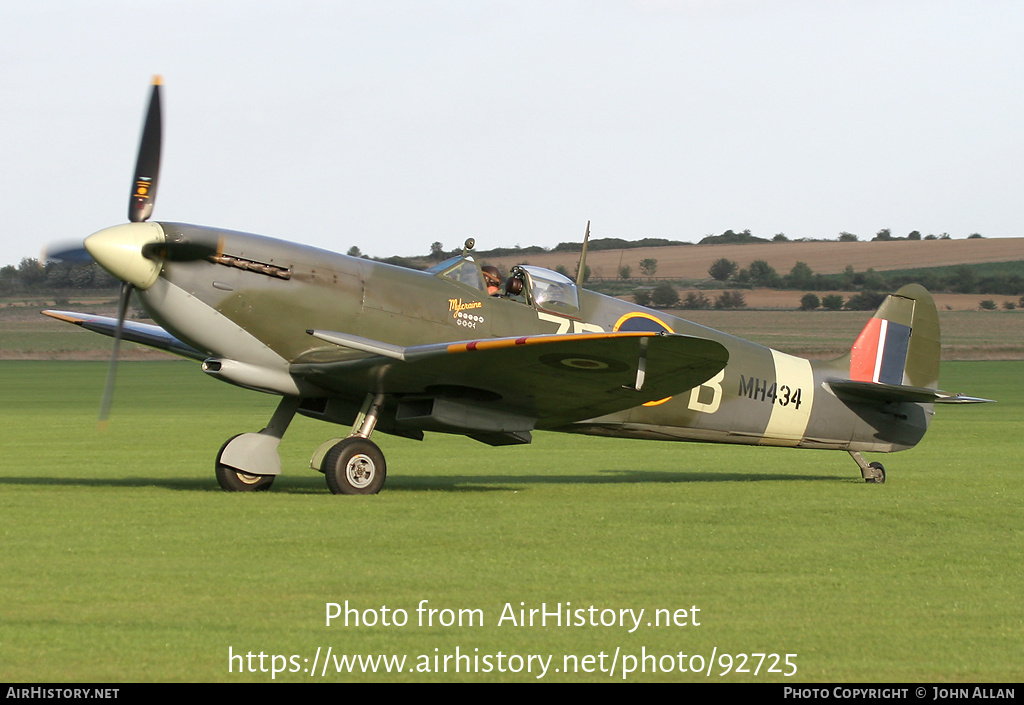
(249, 462)
(873, 472)
(355, 465)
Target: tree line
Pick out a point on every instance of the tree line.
(959, 279)
(885, 234)
(870, 287)
(31, 276)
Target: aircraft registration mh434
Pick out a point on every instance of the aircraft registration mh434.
(377, 347)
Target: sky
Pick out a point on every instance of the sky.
(392, 124)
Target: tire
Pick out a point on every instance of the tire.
(355, 466)
(879, 477)
(231, 480)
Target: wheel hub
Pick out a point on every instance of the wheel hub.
(360, 470)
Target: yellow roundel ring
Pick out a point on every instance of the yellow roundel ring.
(643, 322)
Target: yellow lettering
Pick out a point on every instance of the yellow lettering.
(456, 305)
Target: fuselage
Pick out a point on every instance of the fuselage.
(251, 304)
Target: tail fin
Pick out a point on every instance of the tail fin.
(900, 344)
(896, 357)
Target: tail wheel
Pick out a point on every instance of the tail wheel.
(231, 480)
(878, 477)
(355, 465)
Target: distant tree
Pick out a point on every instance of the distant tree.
(849, 274)
(832, 302)
(800, 276)
(664, 295)
(354, 252)
(30, 272)
(642, 297)
(975, 236)
(914, 235)
(809, 302)
(780, 237)
(625, 272)
(865, 301)
(696, 300)
(81, 276)
(57, 275)
(873, 281)
(730, 237)
(730, 299)
(847, 237)
(101, 278)
(966, 279)
(1009, 305)
(436, 251)
(930, 236)
(763, 274)
(883, 234)
(9, 281)
(649, 266)
(561, 269)
(721, 269)
(988, 305)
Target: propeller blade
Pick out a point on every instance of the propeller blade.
(72, 252)
(108, 392)
(147, 168)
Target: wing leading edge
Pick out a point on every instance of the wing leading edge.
(145, 333)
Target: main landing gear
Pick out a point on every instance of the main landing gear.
(355, 465)
(873, 473)
(249, 462)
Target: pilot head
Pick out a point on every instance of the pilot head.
(492, 278)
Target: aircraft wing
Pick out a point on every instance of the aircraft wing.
(550, 379)
(145, 333)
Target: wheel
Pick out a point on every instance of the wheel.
(231, 480)
(879, 475)
(355, 466)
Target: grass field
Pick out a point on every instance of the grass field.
(122, 561)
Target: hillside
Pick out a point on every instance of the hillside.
(692, 261)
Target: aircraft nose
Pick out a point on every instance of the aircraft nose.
(119, 251)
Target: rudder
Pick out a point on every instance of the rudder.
(900, 345)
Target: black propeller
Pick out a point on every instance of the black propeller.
(64, 251)
(117, 243)
(140, 208)
(108, 390)
(147, 167)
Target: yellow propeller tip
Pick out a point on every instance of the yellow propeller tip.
(158, 80)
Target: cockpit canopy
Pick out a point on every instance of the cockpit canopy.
(548, 290)
(536, 286)
(460, 269)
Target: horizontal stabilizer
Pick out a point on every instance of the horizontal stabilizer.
(868, 392)
(145, 333)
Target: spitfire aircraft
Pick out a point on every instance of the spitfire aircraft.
(376, 347)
